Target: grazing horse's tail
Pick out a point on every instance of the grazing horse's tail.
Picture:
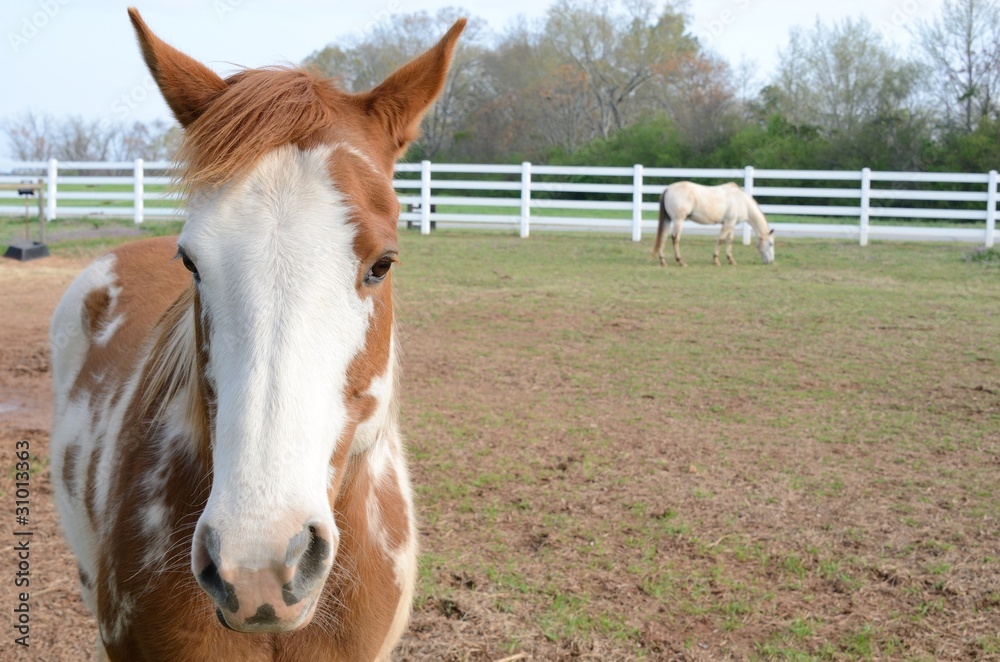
(661, 228)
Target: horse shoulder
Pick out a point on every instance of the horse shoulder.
(108, 312)
(97, 335)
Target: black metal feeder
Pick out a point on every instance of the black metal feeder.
(28, 249)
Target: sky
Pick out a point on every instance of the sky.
(78, 57)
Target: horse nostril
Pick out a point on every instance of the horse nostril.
(221, 591)
(298, 545)
(308, 552)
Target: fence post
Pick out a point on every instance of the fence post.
(50, 214)
(137, 206)
(748, 188)
(991, 208)
(866, 198)
(525, 198)
(637, 202)
(425, 197)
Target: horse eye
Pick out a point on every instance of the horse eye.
(189, 265)
(378, 271)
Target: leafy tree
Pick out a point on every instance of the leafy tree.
(654, 142)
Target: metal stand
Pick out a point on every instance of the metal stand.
(27, 249)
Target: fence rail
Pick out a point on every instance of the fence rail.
(527, 196)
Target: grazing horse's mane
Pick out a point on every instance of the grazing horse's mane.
(258, 111)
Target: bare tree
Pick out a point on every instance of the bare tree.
(81, 140)
(748, 86)
(617, 52)
(699, 95)
(962, 49)
(33, 137)
(841, 76)
(29, 137)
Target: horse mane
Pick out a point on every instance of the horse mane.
(172, 369)
(259, 110)
(760, 223)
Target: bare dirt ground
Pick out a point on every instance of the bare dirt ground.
(593, 556)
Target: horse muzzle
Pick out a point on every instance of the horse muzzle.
(276, 594)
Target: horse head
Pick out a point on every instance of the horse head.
(765, 244)
(290, 240)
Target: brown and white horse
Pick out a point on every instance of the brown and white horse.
(226, 454)
(727, 204)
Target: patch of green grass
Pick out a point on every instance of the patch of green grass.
(985, 256)
(989, 645)
(861, 643)
(567, 617)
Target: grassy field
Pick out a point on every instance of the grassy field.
(618, 461)
(795, 462)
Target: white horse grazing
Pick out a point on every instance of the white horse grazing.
(727, 204)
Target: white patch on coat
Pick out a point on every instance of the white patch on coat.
(279, 279)
(404, 559)
(107, 331)
(70, 330)
(382, 423)
(155, 521)
(354, 151)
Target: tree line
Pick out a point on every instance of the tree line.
(617, 83)
(602, 82)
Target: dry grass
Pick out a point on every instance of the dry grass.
(615, 461)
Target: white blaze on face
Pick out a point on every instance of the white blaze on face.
(278, 272)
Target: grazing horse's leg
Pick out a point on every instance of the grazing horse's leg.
(661, 230)
(726, 236)
(675, 237)
(729, 245)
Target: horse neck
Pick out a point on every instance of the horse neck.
(756, 218)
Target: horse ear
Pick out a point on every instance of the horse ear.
(186, 84)
(399, 103)
(772, 231)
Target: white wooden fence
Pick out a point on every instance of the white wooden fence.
(526, 196)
